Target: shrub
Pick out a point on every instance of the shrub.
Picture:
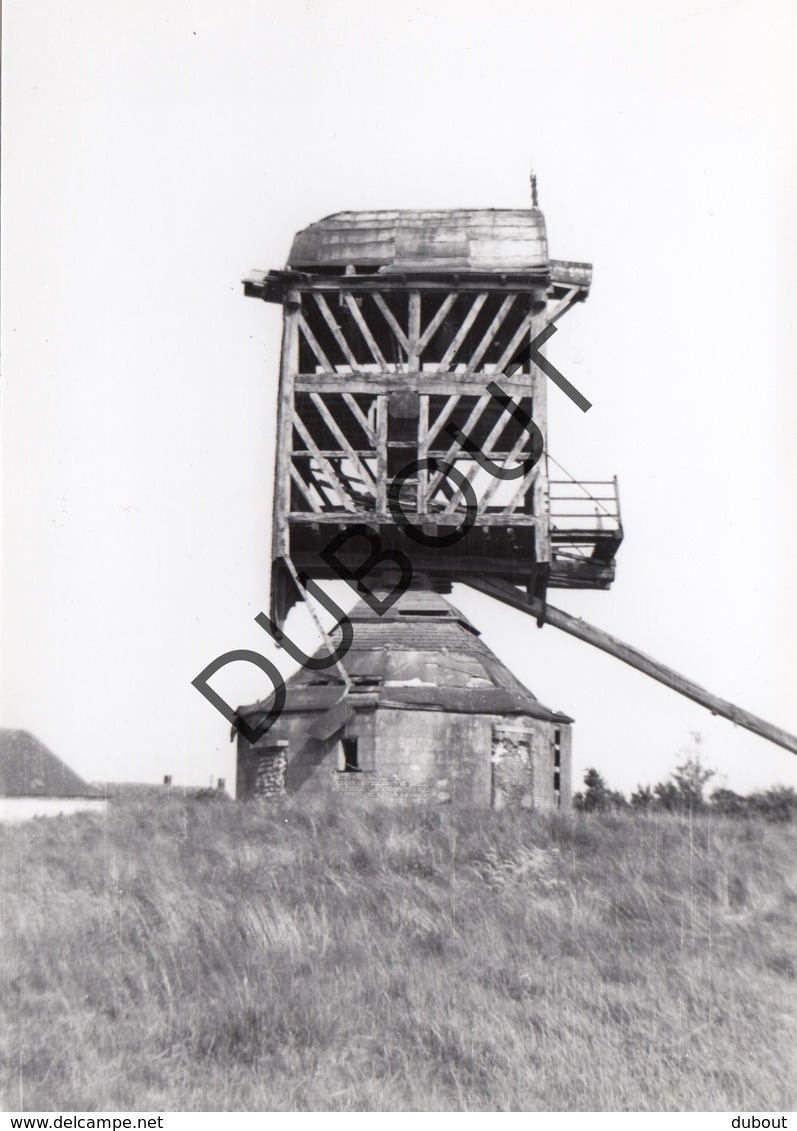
(598, 798)
(776, 804)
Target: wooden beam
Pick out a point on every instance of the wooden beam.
(312, 341)
(456, 448)
(414, 331)
(531, 477)
(337, 432)
(540, 493)
(364, 329)
(305, 490)
(392, 322)
(381, 453)
(316, 620)
(492, 330)
(436, 322)
(359, 416)
(573, 626)
(343, 495)
(445, 384)
(289, 363)
(462, 332)
(525, 481)
(423, 432)
(337, 333)
(270, 285)
(501, 422)
(439, 518)
(556, 312)
(512, 348)
(435, 427)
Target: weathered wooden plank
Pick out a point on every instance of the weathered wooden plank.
(511, 460)
(436, 322)
(489, 335)
(312, 341)
(444, 384)
(441, 419)
(392, 322)
(381, 453)
(423, 432)
(565, 272)
(519, 495)
(598, 638)
(289, 363)
(309, 497)
(360, 417)
(462, 332)
(379, 518)
(329, 471)
(337, 333)
(554, 313)
(460, 236)
(501, 422)
(540, 496)
(340, 436)
(316, 620)
(456, 448)
(333, 453)
(414, 329)
(270, 285)
(513, 346)
(365, 329)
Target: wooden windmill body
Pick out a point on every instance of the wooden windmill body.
(395, 323)
(407, 371)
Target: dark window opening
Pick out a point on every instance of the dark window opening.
(351, 756)
(557, 765)
(425, 613)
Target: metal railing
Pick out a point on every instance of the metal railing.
(590, 505)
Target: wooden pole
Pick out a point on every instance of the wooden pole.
(547, 614)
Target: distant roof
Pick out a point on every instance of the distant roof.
(464, 239)
(422, 653)
(148, 791)
(28, 768)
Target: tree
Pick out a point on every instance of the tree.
(690, 780)
(728, 804)
(667, 796)
(776, 804)
(597, 798)
(642, 798)
(685, 789)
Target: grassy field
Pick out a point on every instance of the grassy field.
(214, 956)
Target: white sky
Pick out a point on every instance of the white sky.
(155, 152)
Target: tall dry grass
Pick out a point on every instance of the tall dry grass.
(212, 956)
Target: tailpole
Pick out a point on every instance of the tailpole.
(573, 626)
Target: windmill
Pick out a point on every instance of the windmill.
(410, 372)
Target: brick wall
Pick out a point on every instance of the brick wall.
(512, 762)
(270, 773)
(522, 764)
(391, 787)
(413, 756)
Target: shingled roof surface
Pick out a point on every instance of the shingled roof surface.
(457, 239)
(28, 768)
(423, 654)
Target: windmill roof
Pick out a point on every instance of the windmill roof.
(423, 653)
(28, 768)
(456, 239)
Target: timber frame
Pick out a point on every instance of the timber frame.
(375, 366)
